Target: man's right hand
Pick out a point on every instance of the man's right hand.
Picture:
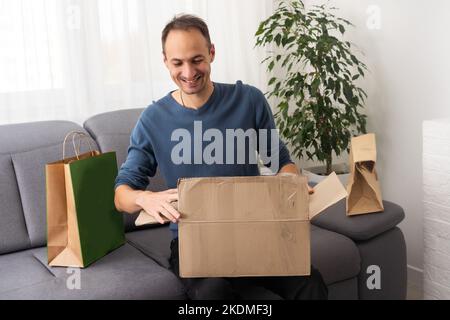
(157, 204)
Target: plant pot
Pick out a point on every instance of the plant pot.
(317, 174)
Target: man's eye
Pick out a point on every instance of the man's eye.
(177, 64)
(198, 61)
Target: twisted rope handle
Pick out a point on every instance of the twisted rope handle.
(74, 134)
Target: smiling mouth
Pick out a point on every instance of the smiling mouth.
(193, 81)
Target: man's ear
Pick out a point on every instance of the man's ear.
(212, 52)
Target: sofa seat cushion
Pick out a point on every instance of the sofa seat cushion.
(21, 270)
(153, 242)
(125, 273)
(334, 255)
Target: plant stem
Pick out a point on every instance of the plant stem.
(328, 162)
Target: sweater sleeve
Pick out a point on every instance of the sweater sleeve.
(140, 163)
(269, 150)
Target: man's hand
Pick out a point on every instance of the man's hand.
(157, 204)
(291, 169)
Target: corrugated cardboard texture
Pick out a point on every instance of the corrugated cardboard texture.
(244, 226)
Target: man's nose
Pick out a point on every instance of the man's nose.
(189, 72)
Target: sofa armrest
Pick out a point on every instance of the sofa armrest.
(359, 227)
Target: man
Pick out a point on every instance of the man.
(200, 104)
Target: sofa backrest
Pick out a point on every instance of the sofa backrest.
(25, 149)
(112, 132)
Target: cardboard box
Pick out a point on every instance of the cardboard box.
(247, 226)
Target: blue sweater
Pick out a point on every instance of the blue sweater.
(165, 129)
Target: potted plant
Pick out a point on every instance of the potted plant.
(313, 79)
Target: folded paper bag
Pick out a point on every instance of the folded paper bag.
(364, 192)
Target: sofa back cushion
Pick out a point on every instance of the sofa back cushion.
(112, 132)
(25, 149)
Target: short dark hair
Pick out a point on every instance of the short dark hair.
(186, 22)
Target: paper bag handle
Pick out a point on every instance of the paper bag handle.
(77, 150)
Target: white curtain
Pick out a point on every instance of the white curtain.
(71, 59)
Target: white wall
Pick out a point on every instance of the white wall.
(436, 230)
(409, 83)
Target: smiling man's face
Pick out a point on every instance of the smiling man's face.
(188, 58)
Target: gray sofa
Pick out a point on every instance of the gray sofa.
(342, 248)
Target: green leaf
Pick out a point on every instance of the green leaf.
(288, 23)
(315, 85)
(341, 29)
(260, 29)
(361, 72)
(337, 84)
(288, 40)
(278, 39)
(267, 58)
(336, 67)
(348, 92)
(277, 88)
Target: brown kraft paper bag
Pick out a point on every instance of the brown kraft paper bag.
(364, 193)
(82, 223)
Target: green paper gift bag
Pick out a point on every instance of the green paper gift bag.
(82, 222)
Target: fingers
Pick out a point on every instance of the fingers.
(165, 212)
(172, 211)
(157, 217)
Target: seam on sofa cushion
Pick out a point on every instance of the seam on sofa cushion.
(346, 279)
(43, 147)
(37, 148)
(20, 197)
(45, 266)
(142, 250)
(92, 134)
